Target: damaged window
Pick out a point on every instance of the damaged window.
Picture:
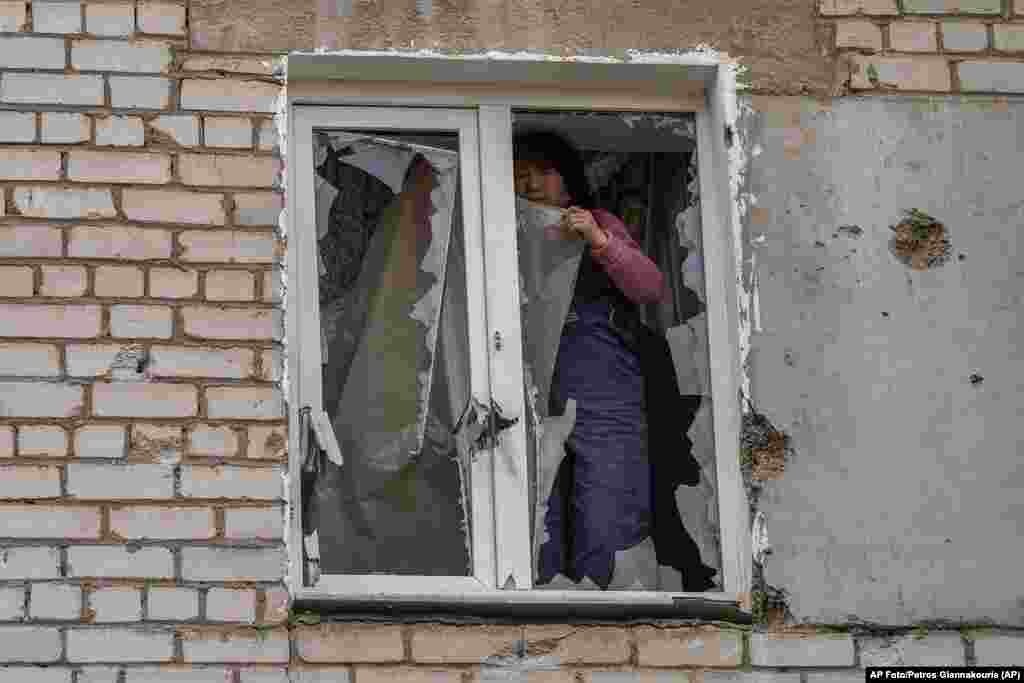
(622, 477)
(392, 298)
(503, 357)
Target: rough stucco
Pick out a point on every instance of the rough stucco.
(902, 502)
(781, 41)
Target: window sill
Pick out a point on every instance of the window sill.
(560, 605)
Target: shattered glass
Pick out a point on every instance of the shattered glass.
(394, 333)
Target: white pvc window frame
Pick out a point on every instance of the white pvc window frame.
(501, 548)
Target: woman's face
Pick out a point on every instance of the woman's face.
(540, 182)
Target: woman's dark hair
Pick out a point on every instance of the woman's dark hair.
(549, 147)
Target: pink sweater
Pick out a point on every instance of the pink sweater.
(629, 268)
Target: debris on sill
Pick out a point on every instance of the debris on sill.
(920, 241)
(851, 230)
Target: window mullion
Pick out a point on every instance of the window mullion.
(505, 353)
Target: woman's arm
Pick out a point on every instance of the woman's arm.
(629, 268)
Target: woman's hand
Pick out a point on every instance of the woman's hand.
(581, 222)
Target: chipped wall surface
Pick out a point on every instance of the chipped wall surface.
(784, 42)
(901, 503)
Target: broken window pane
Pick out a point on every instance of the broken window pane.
(395, 343)
(622, 472)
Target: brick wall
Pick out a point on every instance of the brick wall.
(930, 46)
(142, 425)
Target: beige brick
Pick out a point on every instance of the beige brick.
(42, 441)
(29, 481)
(801, 649)
(277, 605)
(934, 649)
(222, 246)
(29, 164)
(12, 602)
(229, 481)
(62, 89)
(191, 361)
(164, 442)
(120, 131)
(177, 129)
(36, 399)
(100, 441)
(91, 360)
(32, 52)
(153, 322)
(870, 7)
(224, 285)
(110, 19)
(54, 202)
(244, 403)
(263, 208)
(132, 481)
(16, 281)
(434, 643)
(265, 524)
(29, 360)
(173, 283)
(229, 63)
(64, 281)
(57, 17)
(223, 131)
(409, 674)
(162, 17)
(121, 281)
(232, 564)
(119, 242)
(6, 450)
(991, 76)
(230, 323)
(930, 74)
(162, 523)
(1008, 37)
(235, 645)
(13, 17)
(964, 36)
(268, 442)
(913, 36)
(119, 644)
(273, 285)
(228, 604)
(120, 561)
(213, 441)
(50, 521)
(72, 321)
(31, 240)
(267, 137)
(16, 126)
(579, 645)
(688, 646)
(34, 562)
(169, 206)
(173, 603)
(118, 167)
(229, 95)
(56, 601)
(116, 604)
(225, 170)
(271, 366)
(117, 55)
(140, 92)
(144, 400)
(63, 127)
(351, 642)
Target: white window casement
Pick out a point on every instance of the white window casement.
(372, 391)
